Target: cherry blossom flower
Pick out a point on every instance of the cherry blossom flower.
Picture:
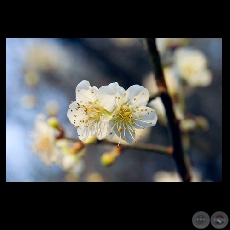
(130, 112)
(171, 78)
(191, 65)
(44, 137)
(90, 112)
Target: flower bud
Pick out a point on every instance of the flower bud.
(108, 159)
(202, 123)
(187, 125)
(91, 140)
(53, 122)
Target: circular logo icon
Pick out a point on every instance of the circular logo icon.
(201, 220)
(219, 220)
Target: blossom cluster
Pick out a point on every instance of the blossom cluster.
(110, 110)
(192, 65)
(185, 68)
(53, 150)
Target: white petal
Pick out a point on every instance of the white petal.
(119, 134)
(106, 98)
(94, 88)
(116, 88)
(120, 94)
(145, 123)
(140, 124)
(111, 131)
(102, 129)
(145, 117)
(83, 133)
(129, 136)
(110, 136)
(83, 85)
(138, 95)
(84, 96)
(92, 130)
(146, 113)
(75, 115)
(125, 133)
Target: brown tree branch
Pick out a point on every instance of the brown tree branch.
(139, 146)
(178, 153)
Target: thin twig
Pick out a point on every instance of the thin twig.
(139, 146)
(152, 97)
(173, 122)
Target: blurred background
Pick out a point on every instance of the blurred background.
(41, 77)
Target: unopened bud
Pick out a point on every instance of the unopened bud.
(187, 125)
(91, 140)
(53, 122)
(202, 123)
(108, 159)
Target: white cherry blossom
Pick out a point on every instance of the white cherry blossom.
(90, 112)
(131, 112)
(44, 139)
(191, 64)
